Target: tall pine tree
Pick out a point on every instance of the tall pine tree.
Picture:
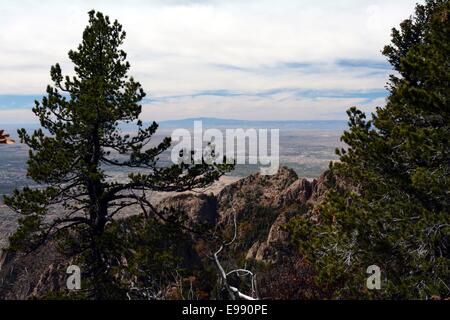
(82, 115)
(397, 215)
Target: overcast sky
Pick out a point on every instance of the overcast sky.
(231, 59)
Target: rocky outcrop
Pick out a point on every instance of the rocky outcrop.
(24, 276)
(277, 243)
(254, 191)
(285, 193)
(263, 206)
(300, 190)
(200, 209)
(4, 138)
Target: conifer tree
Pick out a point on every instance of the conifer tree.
(396, 214)
(81, 118)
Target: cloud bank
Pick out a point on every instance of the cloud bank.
(233, 59)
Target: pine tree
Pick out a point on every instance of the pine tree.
(397, 213)
(82, 116)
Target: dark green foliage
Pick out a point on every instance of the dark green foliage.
(146, 255)
(397, 214)
(82, 115)
(291, 278)
(255, 226)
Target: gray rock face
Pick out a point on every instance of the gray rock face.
(27, 276)
(299, 191)
(255, 190)
(199, 208)
(280, 192)
(284, 193)
(8, 223)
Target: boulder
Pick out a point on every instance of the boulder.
(201, 209)
(4, 138)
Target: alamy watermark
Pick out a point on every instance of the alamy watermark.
(374, 280)
(250, 146)
(74, 279)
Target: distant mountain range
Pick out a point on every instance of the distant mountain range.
(282, 124)
(312, 125)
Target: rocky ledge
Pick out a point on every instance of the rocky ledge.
(262, 206)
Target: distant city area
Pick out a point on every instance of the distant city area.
(305, 146)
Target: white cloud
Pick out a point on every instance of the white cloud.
(278, 107)
(184, 47)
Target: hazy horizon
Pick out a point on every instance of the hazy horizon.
(206, 119)
(303, 60)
